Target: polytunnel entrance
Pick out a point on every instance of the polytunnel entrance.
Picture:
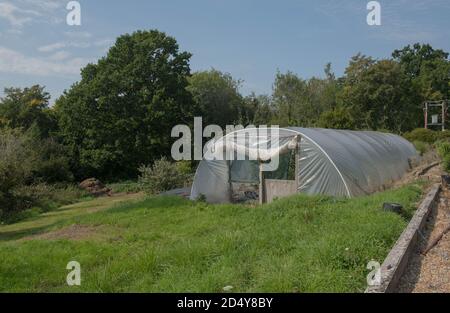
(250, 183)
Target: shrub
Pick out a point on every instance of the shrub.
(446, 162)
(443, 149)
(163, 175)
(25, 160)
(16, 164)
(443, 135)
(29, 200)
(422, 147)
(53, 165)
(422, 134)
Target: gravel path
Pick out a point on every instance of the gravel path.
(431, 273)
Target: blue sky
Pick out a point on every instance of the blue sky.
(250, 39)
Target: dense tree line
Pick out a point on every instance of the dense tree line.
(119, 115)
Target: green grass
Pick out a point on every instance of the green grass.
(129, 186)
(168, 244)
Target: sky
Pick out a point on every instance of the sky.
(250, 39)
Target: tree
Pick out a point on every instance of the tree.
(27, 108)
(428, 69)
(217, 98)
(379, 95)
(301, 102)
(121, 113)
(412, 58)
(264, 113)
(434, 80)
(338, 118)
(288, 96)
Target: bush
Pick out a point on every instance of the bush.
(53, 165)
(25, 162)
(422, 134)
(16, 164)
(443, 149)
(421, 146)
(33, 199)
(163, 175)
(443, 135)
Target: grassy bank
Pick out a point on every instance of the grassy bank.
(297, 244)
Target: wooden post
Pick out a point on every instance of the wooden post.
(443, 115)
(262, 193)
(426, 115)
(297, 165)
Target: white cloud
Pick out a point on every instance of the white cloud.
(78, 35)
(59, 56)
(75, 44)
(15, 62)
(45, 5)
(52, 47)
(16, 16)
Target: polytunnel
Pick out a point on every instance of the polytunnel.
(340, 163)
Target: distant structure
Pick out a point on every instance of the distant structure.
(438, 112)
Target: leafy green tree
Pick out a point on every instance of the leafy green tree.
(121, 113)
(28, 108)
(412, 57)
(379, 95)
(338, 118)
(301, 102)
(217, 98)
(264, 114)
(289, 90)
(428, 69)
(434, 80)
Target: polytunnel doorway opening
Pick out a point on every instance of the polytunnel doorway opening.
(250, 184)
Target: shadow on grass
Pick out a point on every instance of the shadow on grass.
(19, 234)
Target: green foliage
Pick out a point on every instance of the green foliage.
(421, 134)
(163, 175)
(17, 160)
(121, 112)
(428, 69)
(27, 108)
(217, 98)
(168, 244)
(379, 95)
(446, 162)
(421, 146)
(443, 148)
(301, 102)
(338, 118)
(25, 160)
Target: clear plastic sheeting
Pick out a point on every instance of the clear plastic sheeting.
(331, 162)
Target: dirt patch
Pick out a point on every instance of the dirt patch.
(73, 232)
(431, 272)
